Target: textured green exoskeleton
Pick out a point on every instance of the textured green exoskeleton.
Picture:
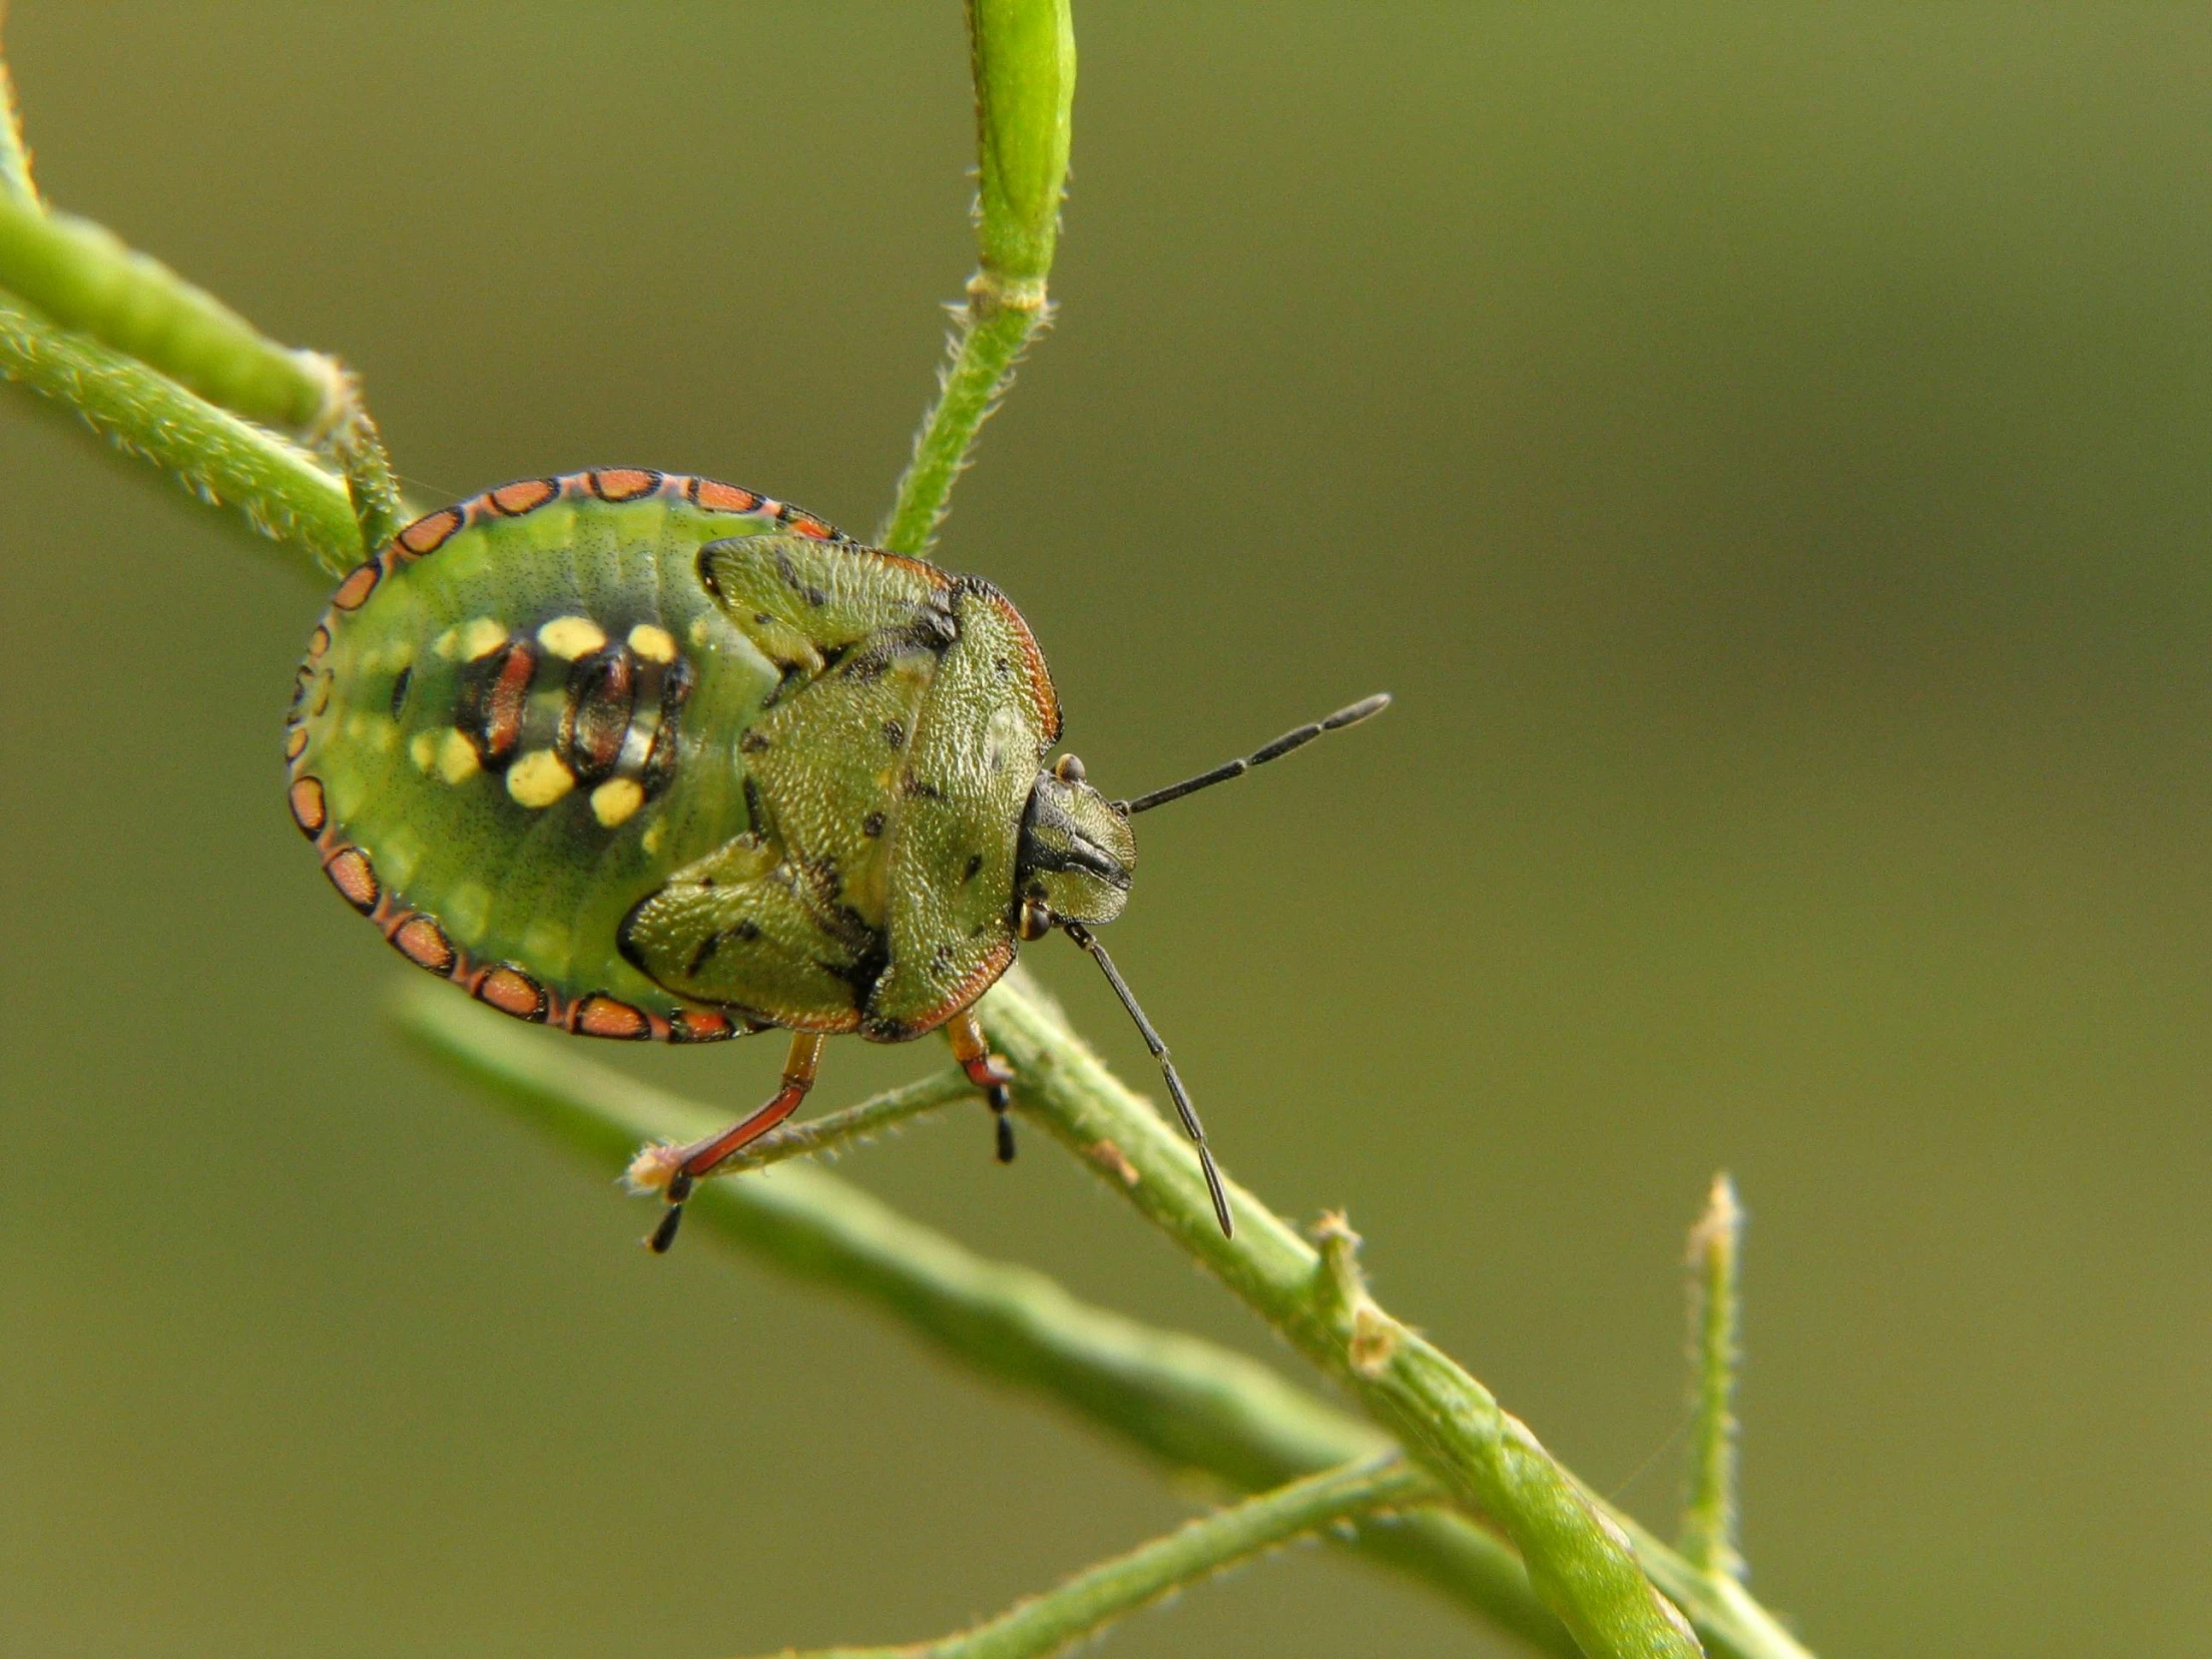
(645, 755)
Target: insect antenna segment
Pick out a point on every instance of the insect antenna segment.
(1366, 707)
(1084, 937)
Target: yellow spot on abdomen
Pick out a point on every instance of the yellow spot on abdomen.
(572, 636)
(655, 645)
(372, 732)
(468, 913)
(482, 637)
(539, 778)
(615, 800)
(653, 837)
(457, 761)
(423, 749)
(397, 862)
(547, 946)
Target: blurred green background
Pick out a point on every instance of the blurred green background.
(1766, 450)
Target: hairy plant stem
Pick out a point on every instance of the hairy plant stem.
(1196, 1407)
(223, 460)
(78, 277)
(355, 444)
(1099, 1596)
(1185, 1401)
(994, 330)
(81, 276)
(1582, 1562)
(1709, 1513)
(1023, 56)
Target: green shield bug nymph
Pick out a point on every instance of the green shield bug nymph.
(650, 756)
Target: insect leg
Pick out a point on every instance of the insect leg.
(701, 1157)
(986, 1071)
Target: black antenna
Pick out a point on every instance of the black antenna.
(1082, 936)
(1362, 710)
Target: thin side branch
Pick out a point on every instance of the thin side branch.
(992, 334)
(1709, 1514)
(1192, 1404)
(81, 276)
(1023, 54)
(358, 449)
(1099, 1596)
(223, 460)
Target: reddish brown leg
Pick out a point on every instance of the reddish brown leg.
(701, 1157)
(988, 1071)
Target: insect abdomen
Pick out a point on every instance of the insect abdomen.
(521, 717)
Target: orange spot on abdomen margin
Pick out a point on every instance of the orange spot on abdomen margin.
(430, 532)
(308, 809)
(360, 583)
(725, 498)
(531, 493)
(698, 1025)
(622, 483)
(600, 1016)
(512, 991)
(355, 876)
(424, 943)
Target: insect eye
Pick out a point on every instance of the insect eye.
(1070, 770)
(1036, 918)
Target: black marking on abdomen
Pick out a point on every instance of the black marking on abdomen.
(602, 697)
(494, 696)
(660, 760)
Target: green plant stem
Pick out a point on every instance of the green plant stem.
(358, 449)
(1099, 1596)
(1586, 1563)
(1191, 1404)
(1709, 1514)
(15, 159)
(81, 276)
(1194, 1405)
(1023, 57)
(217, 457)
(994, 334)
